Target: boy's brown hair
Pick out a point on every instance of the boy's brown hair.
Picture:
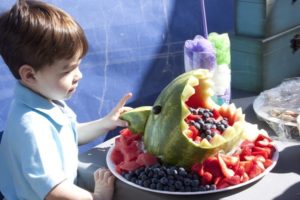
(37, 34)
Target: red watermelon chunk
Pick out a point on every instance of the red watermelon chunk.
(129, 166)
(146, 159)
(116, 156)
(128, 155)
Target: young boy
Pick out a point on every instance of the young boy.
(43, 46)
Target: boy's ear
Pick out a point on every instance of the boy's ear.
(27, 74)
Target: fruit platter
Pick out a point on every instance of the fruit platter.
(187, 144)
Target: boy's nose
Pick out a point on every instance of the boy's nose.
(78, 75)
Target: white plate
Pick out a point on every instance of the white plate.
(112, 168)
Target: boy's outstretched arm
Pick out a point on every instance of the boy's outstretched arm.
(91, 130)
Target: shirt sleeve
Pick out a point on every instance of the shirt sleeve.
(40, 158)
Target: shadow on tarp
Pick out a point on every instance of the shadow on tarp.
(284, 164)
(292, 193)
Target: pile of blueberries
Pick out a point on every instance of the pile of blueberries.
(207, 124)
(167, 178)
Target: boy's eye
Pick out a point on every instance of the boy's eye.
(66, 72)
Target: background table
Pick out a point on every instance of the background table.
(283, 182)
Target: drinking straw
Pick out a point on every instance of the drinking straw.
(204, 18)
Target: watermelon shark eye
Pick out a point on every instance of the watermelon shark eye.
(156, 109)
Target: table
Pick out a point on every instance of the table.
(283, 182)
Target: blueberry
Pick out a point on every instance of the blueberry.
(166, 188)
(194, 183)
(178, 184)
(150, 174)
(139, 182)
(208, 137)
(207, 187)
(193, 110)
(146, 183)
(174, 172)
(171, 182)
(182, 172)
(208, 132)
(202, 188)
(187, 181)
(187, 189)
(154, 180)
(161, 173)
(163, 181)
(159, 186)
(203, 135)
(152, 186)
(213, 126)
(143, 177)
(213, 187)
(133, 180)
(128, 176)
(206, 115)
(172, 188)
(197, 125)
(170, 177)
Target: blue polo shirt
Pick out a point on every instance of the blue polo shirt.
(38, 148)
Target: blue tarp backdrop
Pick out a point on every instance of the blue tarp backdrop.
(134, 45)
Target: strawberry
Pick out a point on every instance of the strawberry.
(268, 163)
(254, 171)
(246, 165)
(244, 177)
(225, 170)
(211, 165)
(207, 178)
(233, 180)
(222, 184)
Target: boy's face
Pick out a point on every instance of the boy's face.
(59, 80)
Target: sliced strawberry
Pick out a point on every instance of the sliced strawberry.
(222, 184)
(231, 161)
(264, 151)
(246, 165)
(268, 163)
(207, 178)
(216, 114)
(263, 141)
(260, 165)
(225, 170)
(254, 171)
(218, 179)
(233, 180)
(194, 131)
(246, 151)
(244, 177)
(247, 143)
(211, 165)
(197, 139)
(191, 117)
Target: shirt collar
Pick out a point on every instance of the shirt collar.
(39, 103)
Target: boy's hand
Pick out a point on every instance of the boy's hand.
(113, 119)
